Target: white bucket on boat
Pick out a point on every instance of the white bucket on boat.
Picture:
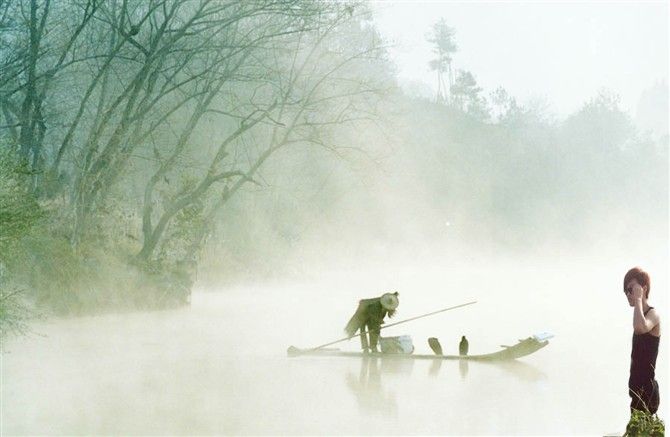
(396, 345)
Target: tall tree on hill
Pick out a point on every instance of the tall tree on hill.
(466, 96)
(444, 46)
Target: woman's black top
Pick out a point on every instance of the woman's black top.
(643, 359)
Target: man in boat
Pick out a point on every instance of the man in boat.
(369, 317)
(642, 385)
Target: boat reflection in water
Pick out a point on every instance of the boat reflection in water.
(436, 367)
(517, 369)
(374, 396)
(523, 371)
(463, 367)
(368, 388)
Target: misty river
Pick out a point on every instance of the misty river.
(220, 365)
(189, 188)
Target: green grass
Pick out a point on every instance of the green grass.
(644, 424)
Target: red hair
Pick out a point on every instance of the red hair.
(640, 276)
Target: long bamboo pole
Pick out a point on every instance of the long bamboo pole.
(395, 324)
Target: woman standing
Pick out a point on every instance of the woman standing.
(642, 385)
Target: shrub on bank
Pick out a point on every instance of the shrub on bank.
(94, 277)
(643, 424)
(19, 215)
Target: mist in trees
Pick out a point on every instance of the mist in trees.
(145, 144)
(138, 121)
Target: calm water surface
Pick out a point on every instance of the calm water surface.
(220, 367)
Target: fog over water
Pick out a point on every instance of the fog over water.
(315, 166)
(219, 367)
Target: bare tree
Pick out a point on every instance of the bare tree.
(180, 49)
(182, 101)
(31, 68)
(318, 83)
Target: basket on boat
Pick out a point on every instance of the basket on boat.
(396, 345)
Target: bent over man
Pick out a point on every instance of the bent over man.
(369, 317)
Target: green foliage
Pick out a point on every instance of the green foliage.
(132, 156)
(466, 96)
(600, 126)
(98, 275)
(15, 314)
(160, 142)
(19, 212)
(504, 107)
(643, 424)
(525, 178)
(444, 44)
(181, 246)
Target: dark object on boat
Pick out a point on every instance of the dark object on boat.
(463, 346)
(521, 349)
(435, 345)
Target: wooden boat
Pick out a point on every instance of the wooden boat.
(521, 349)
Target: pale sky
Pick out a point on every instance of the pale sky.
(562, 51)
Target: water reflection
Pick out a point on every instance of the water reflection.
(463, 367)
(374, 397)
(436, 366)
(368, 388)
(523, 371)
(517, 369)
